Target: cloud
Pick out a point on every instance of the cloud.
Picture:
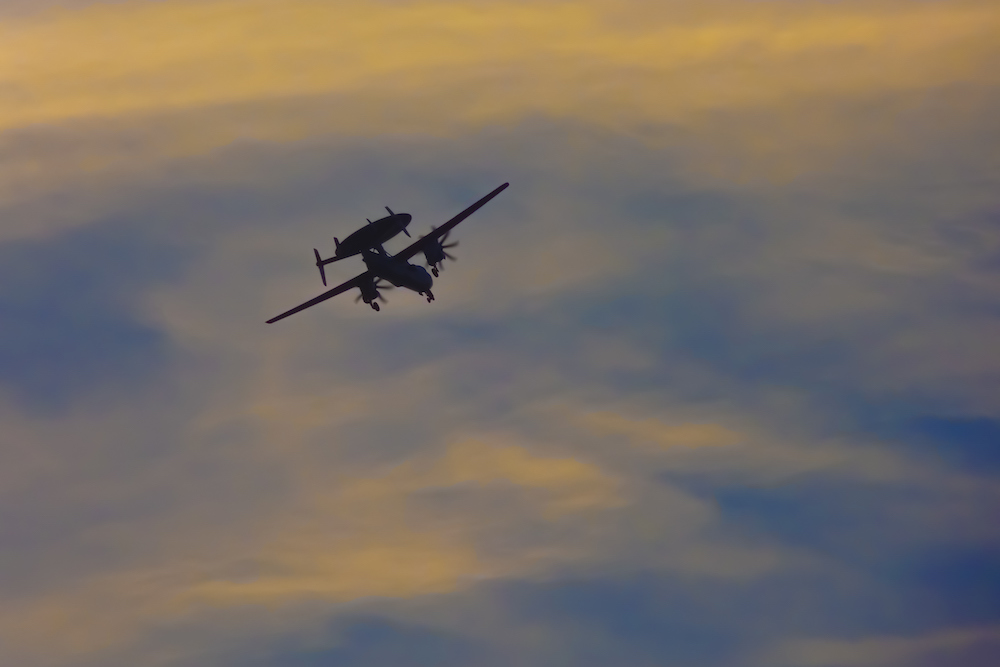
(161, 81)
(889, 650)
(313, 533)
(382, 548)
(573, 484)
(740, 239)
(262, 430)
(663, 435)
(70, 307)
(130, 57)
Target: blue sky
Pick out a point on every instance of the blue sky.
(713, 383)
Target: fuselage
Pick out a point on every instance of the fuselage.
(372, 235)
(398, 272)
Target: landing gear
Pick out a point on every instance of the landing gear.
(375, 307)
(430, 296)
(434, 271)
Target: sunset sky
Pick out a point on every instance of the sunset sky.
(714, 383)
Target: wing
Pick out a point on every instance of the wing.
(339, 289)
(417, 245)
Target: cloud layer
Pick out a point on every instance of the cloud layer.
(713, 383)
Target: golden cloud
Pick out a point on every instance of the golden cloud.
(658, 433)
(105, 89)
(405, 565)
(438, 66)
(358, 539)
(377, 552)
(568, 484)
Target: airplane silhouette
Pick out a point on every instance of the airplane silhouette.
(396, 269)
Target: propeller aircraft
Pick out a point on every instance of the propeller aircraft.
(385, 270)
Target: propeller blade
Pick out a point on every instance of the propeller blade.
(451, 257)
(382, 299)
(451, 245)
(358, 298)
(406, 232)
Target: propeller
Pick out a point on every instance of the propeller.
(379, 297)
(380, 287)
(444, 246)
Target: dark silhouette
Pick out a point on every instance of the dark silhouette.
(373, 235)
(394, 269)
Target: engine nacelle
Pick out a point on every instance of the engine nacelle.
(368, 291)
(434, 254)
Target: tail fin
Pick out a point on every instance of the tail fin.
(320, 264)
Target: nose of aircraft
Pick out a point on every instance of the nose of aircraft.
(423, 277)
(405, 218)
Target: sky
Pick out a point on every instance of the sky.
(714, 383)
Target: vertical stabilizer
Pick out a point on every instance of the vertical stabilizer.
(319, 265)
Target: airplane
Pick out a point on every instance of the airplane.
(372, 235)
(396, 269)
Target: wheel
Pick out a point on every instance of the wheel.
(434, 271)
(375, 307)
